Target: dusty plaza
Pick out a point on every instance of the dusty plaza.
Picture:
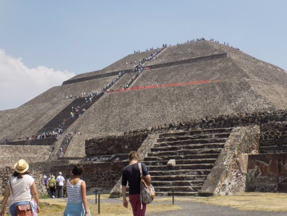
(208, 120)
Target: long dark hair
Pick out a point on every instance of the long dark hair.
(20, 175)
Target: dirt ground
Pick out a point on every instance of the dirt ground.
(245, 204)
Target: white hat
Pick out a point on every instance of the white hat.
(60, 173)
(21, 166)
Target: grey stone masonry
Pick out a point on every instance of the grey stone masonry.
(193, 154)
(274, 138)
(228, 175)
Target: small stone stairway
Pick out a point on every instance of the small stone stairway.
(194, 152)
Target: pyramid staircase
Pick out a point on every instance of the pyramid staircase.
(194, 152)
(64, 114)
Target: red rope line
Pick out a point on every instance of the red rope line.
(164, 85)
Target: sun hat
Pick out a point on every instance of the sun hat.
(21, 166)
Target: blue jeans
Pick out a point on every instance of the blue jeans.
(12, 208)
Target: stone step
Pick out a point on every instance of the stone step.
(275, 151)
(178, 177)
(179, 172)
(214, 130)
(196, 136)
(180, 161)
(181, 147)
(183, 157)
(175, 193)
(277, 142)
(272, 147)
(187, 152)
(281, 135)
(181, 166)
(178, 183)
(178, 188)
(193, 141)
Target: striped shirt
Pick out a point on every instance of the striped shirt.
(74, 192)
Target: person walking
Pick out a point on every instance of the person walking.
(52, 186)
(77, 204)
(60, 185)
(131, 174)
(19, 188)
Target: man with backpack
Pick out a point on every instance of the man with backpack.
(52, 186)
(131, 174)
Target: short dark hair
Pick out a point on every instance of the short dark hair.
(78, 170)
(133, 155)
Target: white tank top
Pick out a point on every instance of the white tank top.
(74, 192)
(21, 189)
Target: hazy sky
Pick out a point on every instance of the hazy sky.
(43, 43)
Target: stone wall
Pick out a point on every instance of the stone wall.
(97, 175)
(274, 137)
(222, 121)
(143, 152)
(111, 145)
(7, 172)
(267, 173)
(228, 176)
(10, 154)
(192, 60)
(49, 141)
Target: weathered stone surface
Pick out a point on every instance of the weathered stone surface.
(226, 177)
(144, 149)
(246, 93)
(267, 172)
(114, 144)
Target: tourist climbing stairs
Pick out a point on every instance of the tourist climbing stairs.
(181, 161)
(64, 114)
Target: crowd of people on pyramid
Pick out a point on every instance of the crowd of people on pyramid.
(202, 39)
(139, 67)
(89, 97)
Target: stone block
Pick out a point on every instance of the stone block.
(171, 162)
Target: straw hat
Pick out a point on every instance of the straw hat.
(21, 166)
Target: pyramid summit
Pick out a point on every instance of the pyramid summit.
(166, 86)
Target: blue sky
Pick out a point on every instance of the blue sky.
(58, 39)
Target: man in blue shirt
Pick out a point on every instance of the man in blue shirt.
(131, 174)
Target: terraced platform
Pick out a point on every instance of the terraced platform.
(194, 153)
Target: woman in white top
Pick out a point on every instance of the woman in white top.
(76, 188)
(19, 188)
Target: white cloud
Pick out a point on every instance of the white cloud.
(18, 83)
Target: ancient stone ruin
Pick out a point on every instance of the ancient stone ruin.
(206, 118)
